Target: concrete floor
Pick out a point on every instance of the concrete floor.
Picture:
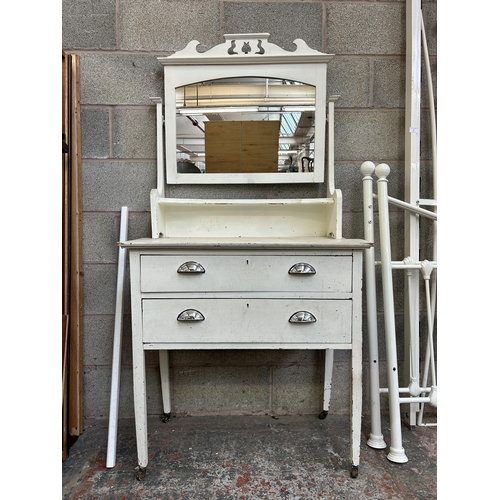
(249, 457)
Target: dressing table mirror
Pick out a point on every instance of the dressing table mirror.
(245, 125)
(248, 80)
(245, 273)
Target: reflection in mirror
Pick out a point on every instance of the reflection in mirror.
(247, 125)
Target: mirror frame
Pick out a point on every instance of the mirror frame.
(244, 55)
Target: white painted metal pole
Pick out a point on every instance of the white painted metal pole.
(434, 152)
(435, 195)
(117, 345)
(431, 106)
(429, 353)
(412, 208)
(396, 452)
(404, 264)
(404, 390)
(426, 272)
(413, 387)
(376, 439)
(412, 169)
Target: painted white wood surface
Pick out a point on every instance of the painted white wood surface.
(138, 363)
(160, 169)
(328, 382)
(246, 246)
(356, 361)
(253, 318)
(278, 244)
(187, 66)
(305, 345)
(165, 380)
(246, 320)
(296, 218)
(245, 273)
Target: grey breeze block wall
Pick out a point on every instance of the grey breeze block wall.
(118, 42)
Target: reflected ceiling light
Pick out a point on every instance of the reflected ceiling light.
(228, 109)
(299, 108)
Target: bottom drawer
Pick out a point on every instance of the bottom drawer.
(246, 320)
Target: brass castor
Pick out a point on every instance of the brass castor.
(141, 473)
(354, 471)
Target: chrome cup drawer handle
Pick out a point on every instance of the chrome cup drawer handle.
(302, 317)
(190, 315)
(302, 268)
(191, 267)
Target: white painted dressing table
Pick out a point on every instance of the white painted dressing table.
(245, 273)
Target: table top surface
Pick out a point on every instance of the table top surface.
(247, 243)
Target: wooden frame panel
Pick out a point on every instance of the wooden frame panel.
(72, 265)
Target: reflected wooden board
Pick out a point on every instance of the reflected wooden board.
(241, 146)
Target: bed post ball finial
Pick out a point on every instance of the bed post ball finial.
(367, 168)
(382, 170)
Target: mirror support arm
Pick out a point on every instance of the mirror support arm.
(331, 146)
(160, 167)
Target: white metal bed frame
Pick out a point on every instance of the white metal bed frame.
(417, 393)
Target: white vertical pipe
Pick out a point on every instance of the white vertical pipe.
(396, 451)
(412, 170)
(376, 439)
(117, 346)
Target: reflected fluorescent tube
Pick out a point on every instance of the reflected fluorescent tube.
(299, 108)
(229, 109)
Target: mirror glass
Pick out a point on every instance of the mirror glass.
(245, 125)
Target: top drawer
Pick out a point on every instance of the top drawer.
(246, 273)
